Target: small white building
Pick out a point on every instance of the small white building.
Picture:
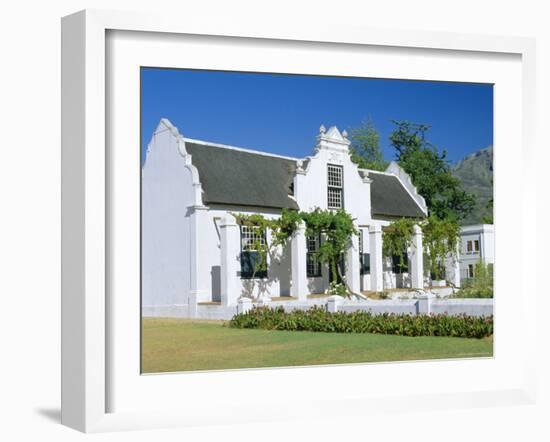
(477, 245)
(194, 252)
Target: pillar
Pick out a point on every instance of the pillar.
(230, 249)
(200, 273)
(417, 260)
(298, 287)
(452, 268)
(376, 269)
(352, 264)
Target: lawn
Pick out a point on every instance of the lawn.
(182, 344)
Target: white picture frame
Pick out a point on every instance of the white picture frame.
(88, 316)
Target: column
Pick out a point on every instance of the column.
(200, 273)
(417, 260)
(352, 264)
(230, 249)
(298, 287)
(375, 247)
(452, 268)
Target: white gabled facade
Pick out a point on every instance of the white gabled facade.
(191, 249)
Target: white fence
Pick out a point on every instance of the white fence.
(425, 304)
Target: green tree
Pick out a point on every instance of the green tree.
(488, 217)
(365, 147)
(430, 172)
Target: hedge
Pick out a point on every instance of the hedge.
(317, 319)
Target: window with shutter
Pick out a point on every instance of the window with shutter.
(252, 260)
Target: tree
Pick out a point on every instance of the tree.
(430, 172)
(365, 147)
(488, 218)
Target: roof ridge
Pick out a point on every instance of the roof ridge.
(239, 149)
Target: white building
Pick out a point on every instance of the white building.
(477, 244)
(193, 251)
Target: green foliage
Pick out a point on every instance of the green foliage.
(365, 147)
(335, 227)
(430, 172)
(337, 288)
(317, 319)
(488, 218)
(480, 286)
(397, 238)
(441, 238)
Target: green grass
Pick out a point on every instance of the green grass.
(181, 344)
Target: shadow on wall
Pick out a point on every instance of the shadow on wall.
(279, 271)
(216, 283)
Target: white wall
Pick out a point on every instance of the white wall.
(310, 189)
(167, 195)
(277, 282)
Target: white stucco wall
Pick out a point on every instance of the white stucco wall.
(310, 187)
(166, 194)
(278, 278)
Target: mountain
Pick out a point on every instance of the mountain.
(476, 173)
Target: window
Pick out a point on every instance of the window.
(335, 195)
(471, 272)
(313, 264)
(251, 260)
(396, 264)
(472, 246)
(364, 258)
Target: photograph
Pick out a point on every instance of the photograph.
(302, 220)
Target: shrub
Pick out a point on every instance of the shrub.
(480, 286)
(317, 319)
(337, 288)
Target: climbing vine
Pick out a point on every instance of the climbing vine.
(397, 238)
(440, 241)
(335, 227)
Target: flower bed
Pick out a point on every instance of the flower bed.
(317, 319)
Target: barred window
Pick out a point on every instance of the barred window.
(313, 264)
(251, 236)
(251, 258)
(335, 190)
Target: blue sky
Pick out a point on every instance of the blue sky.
(282, 113)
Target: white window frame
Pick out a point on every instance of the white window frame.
(335, 186)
